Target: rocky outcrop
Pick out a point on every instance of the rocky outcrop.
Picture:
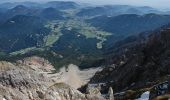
(159, 90)
(32, 79)
(110, 93)
(142, 65)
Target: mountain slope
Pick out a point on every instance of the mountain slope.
(19, 10)
(115, 10)
(141, 65)
(22, 32)
(62, 5)
(51, 14)
(42, 31)
(130, 23)
(10, 5)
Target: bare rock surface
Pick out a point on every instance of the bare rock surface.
(32, 79)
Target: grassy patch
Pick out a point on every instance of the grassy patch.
(88, 31)
(24, 51)
(55, 33)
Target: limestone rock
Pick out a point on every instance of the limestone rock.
(110, 93)
(23, 81)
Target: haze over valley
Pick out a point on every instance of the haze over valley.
(84, 50)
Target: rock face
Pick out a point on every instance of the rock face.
(160, 89)
(145, 62)
(111, 96)
(142, 64)
(31, 81)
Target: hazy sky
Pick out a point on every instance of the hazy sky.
(153, 3)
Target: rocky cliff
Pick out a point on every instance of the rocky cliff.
(137, 67)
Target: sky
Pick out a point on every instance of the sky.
(153, 3)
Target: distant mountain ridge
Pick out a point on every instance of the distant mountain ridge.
(130, 43)
(54, 30)
(130, 23)
(62, 4)
(114, 10)
(55, 4)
